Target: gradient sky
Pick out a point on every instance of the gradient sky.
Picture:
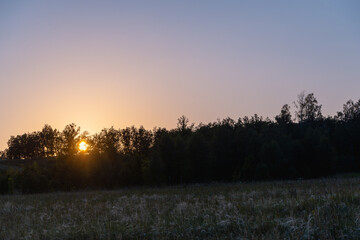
(121, 63)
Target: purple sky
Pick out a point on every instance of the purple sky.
(121, 63)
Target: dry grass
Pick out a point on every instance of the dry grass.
(315, 209)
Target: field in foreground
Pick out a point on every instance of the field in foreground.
(311, 209)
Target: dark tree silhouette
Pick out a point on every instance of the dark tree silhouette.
(351, 111)
(307, 107)
(251, 148)
(69, 139)
(285, 116)
(49, 141)
(183, 125)
(107, 141)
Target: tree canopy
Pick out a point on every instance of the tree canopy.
(249, 148)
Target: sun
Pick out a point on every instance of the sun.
(83, 146)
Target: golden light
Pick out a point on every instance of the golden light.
(83, 146)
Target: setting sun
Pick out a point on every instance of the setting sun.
(83, 146)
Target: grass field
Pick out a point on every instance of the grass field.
(311, 209)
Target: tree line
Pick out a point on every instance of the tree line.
(306, 145)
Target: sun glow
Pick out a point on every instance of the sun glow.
(83, 146)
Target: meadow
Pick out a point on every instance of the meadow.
(302, 209)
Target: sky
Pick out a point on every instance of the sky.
(121, 63)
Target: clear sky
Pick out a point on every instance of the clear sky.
(121, 63)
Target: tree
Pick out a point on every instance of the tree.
(142, 140)
(125, 141)
(27, 145)
(351, 111)
(307, 107)
(183, 126)
(49, 141)
(69, 138)
(285, 116)
(107, 141)
(199, 157)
